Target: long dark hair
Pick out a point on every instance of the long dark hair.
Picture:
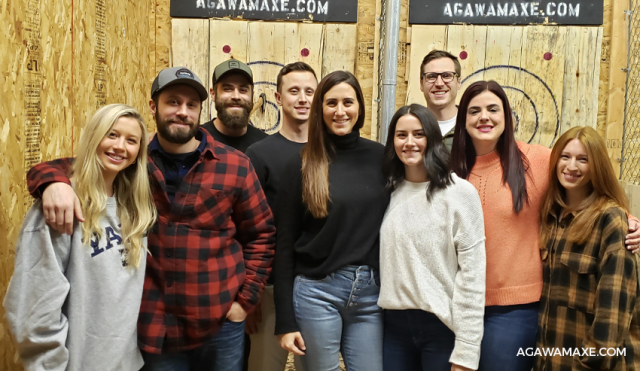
(315, 155)
(463, 154)
(435, 157)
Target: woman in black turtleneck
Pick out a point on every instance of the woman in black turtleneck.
(330, 208)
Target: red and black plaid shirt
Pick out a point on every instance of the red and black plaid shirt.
(212, 246)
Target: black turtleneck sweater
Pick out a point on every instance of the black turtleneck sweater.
(347, 236)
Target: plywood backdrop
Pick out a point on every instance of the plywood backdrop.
(595, 83)
(550, 73)
(61, 59)
(266, 47)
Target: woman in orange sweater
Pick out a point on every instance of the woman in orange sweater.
(511, 178)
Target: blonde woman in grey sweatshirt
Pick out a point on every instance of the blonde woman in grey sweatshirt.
(73, 300)
(432, 254)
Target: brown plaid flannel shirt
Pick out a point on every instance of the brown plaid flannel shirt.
(211, 246)
(590, 299)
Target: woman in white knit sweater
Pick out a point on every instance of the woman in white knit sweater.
(432, 255)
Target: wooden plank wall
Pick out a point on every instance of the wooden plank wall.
(61, 59)
(265, 47)
(550, 73)
(367, 61)
(351, 48)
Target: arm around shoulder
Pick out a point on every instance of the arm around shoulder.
(46, 173)
(49, 180)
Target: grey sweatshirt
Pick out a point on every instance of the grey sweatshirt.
(432, 257)
(71, 306)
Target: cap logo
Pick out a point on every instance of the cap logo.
(184, 73)
(234, 64)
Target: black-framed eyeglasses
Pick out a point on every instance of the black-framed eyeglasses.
(447, 76)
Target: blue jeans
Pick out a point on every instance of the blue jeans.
(339, 313)
(224, 352)
(506, 330)
(415, 340)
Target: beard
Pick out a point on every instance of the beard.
(178, 136)
(233, 120)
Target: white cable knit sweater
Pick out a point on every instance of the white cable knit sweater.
(432, 257)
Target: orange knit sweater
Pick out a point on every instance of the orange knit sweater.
(514, 268)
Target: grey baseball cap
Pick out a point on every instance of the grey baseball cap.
(175, 76)
(232, 65)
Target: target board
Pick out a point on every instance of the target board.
(266, 47)
(550, 73)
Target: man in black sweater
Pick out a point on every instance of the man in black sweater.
(232, 94)
(296, 85)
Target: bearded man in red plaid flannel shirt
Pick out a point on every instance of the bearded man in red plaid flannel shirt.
(212, 247)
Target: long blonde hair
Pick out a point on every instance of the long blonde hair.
(605, 189)
(136, 208)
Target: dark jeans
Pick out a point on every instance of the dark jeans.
(224, 352)
(415, 340)
(506, 330)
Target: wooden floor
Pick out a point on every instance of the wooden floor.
(291, 367)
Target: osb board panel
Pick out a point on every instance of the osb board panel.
(369, 55)
(85, 53)
(56, 69)
(160, 43)
(106, 39)
(35, 119)
(403, 55)
(191, 49)
(527, 61)
(12, 170)
(126, 36)
(160, 30)
(603, 86)
(365, 37)
(56, 93)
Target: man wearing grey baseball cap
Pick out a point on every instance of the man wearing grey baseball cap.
(212, 246)
(232, 93)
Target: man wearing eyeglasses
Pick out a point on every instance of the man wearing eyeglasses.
(439, 82)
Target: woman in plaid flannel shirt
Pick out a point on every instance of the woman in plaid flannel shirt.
(589, 305)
